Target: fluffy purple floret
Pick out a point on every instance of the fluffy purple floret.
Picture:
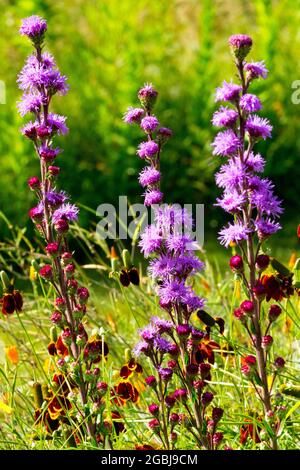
(250, 103)
(147, 149)
(256, 69)
(151, 240)
(224, 117)
(228, 92)
(149, 124)
(233, 233)
(34, 27)
(133, 115)
(258, 127)
(153, 196)
(66, 211)
(149, 176)
(226, 143)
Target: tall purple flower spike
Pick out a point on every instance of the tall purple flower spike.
(173, 264)
(248, 197)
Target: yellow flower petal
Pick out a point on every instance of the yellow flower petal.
(5, 408)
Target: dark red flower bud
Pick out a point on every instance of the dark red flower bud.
(154, 425)
(279, 362)
(199, 385)
(236, 263)
(262, 262)
(52, 249)
(102, 388)
(239, 314)
(34, 183)
(60, 303)
(151, 381)
(274, 312)
(56, 317)
(53, 170)
(207, 397)
(267, 341)
(174, 418)
(217, 438)
(61, 226)
(170, 401)
(180, 394)
(46, 272)
(217, 414)
(153, 409)
(204, 370)
(192, 370)
(247, 306)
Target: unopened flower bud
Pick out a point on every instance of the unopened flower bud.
(102, 388)
(154, 425)
(267, 341)
(217, 438)
(236, 263)
(153, 409)
(240, 45)
(274, 312)
(279, 363)
(56, 318)
(180, 394)
(52, 249)
(61, 226)
(151, 381)
(66, 336)
(207, 398)
(247, 306)
(34, 183)
(262, 262)
(170, 401)
(217, 414)
(46, 272)
(53, 170)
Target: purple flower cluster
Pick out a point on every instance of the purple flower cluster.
(244, 191)
(250, 199)
(40, 80)
(170, 243)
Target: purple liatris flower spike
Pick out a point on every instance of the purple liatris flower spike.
(40, 79)
(251, 199)
(170, 242)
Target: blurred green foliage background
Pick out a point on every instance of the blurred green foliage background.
(108, 49)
